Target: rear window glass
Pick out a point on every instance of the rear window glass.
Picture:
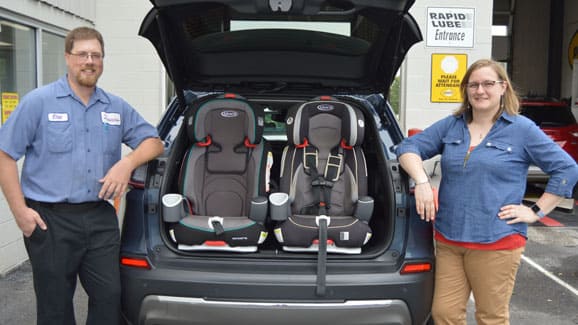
(548, 115)
(275, 128)
(357, 24)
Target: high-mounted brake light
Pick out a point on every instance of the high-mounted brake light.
(411, 268)
(140, 263)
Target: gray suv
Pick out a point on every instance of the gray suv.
(279, 198)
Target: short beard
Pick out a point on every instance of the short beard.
(87, 81)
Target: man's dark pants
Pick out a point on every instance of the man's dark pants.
(82, 241)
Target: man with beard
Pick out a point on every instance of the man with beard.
(71, 132)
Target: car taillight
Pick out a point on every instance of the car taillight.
(140, 263)
(411, 268)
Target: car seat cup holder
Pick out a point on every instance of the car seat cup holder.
(173, 207)
(279, 206)
(258, 209)
(364, 208)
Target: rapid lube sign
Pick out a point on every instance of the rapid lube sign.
(450, 27)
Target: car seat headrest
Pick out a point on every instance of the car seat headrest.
(333, 115)
(227, 119)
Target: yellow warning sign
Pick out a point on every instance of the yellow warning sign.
(447, 71)
(9, 103)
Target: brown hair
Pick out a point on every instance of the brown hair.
(82, 33)
(510, 101)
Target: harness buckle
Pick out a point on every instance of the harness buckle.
(213, 220)
(216, 223)
(320, 181)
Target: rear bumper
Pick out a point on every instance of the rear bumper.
(177, 296)
(179, 310)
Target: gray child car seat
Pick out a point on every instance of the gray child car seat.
(323, 204)
(324, 175)
(222, 178)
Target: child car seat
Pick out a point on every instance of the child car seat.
(323, 205)
(324, 176)
(223, 178)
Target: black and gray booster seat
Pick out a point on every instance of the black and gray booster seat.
(222, 178)
(323, 204)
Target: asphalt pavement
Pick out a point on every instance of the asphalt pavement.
(17, 301)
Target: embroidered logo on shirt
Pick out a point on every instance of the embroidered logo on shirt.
(58, 117)
(110, 118)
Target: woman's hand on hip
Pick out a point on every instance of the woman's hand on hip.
(516, 213)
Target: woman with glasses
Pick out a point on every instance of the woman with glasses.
(481, 224)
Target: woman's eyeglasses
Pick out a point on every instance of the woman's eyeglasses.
(485, 84)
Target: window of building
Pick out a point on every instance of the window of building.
(20, 55)
(53, 64)
(17, 58)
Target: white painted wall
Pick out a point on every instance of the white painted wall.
(12, 251)
(132, 68)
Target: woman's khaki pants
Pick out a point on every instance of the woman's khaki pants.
(489, 274)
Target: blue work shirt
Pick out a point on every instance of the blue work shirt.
(69, 146)
(473, 190)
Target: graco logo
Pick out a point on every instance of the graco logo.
(325, 107)
(228, 114)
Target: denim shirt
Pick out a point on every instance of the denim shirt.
(69, 146)
(473, 189)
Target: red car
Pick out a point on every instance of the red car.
(556, 119)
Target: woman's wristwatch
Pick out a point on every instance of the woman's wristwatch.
(537, 211)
